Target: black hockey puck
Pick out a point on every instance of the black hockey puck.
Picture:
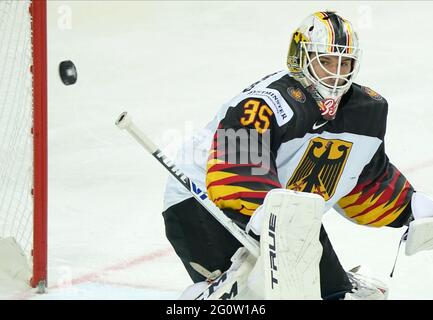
(68, 72)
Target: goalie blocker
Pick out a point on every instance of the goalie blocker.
(288, 266)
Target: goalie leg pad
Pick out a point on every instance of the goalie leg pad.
(289, 245)
(288, 265)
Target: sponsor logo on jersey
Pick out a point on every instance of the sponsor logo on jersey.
(317, 125)
(274, 99)
(372, 94)
(296, 94)
(321, 167)
(328, 107)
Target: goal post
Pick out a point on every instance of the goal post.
(38, 10)
(23, 137)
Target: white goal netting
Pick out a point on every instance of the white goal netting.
(16, 114)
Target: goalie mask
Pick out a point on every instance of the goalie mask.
(324, 57)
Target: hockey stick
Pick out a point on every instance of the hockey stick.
(125, 122)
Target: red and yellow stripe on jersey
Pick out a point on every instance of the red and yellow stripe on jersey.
(232, 186)
(378, 203)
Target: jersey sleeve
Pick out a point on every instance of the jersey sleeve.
(382, 195)
(241, 166)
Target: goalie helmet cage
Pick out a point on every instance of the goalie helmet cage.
(23, 131)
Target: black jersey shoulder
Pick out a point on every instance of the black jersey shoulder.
(367, 97)
(303, 105)
(363, 111)
(296, 96)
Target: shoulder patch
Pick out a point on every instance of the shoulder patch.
(296, 94)
(371, 93)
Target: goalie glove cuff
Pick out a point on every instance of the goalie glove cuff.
(255, 224)
(420, 236)
(422, 206)
(420, 232)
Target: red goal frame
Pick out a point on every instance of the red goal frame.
(38, 11)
